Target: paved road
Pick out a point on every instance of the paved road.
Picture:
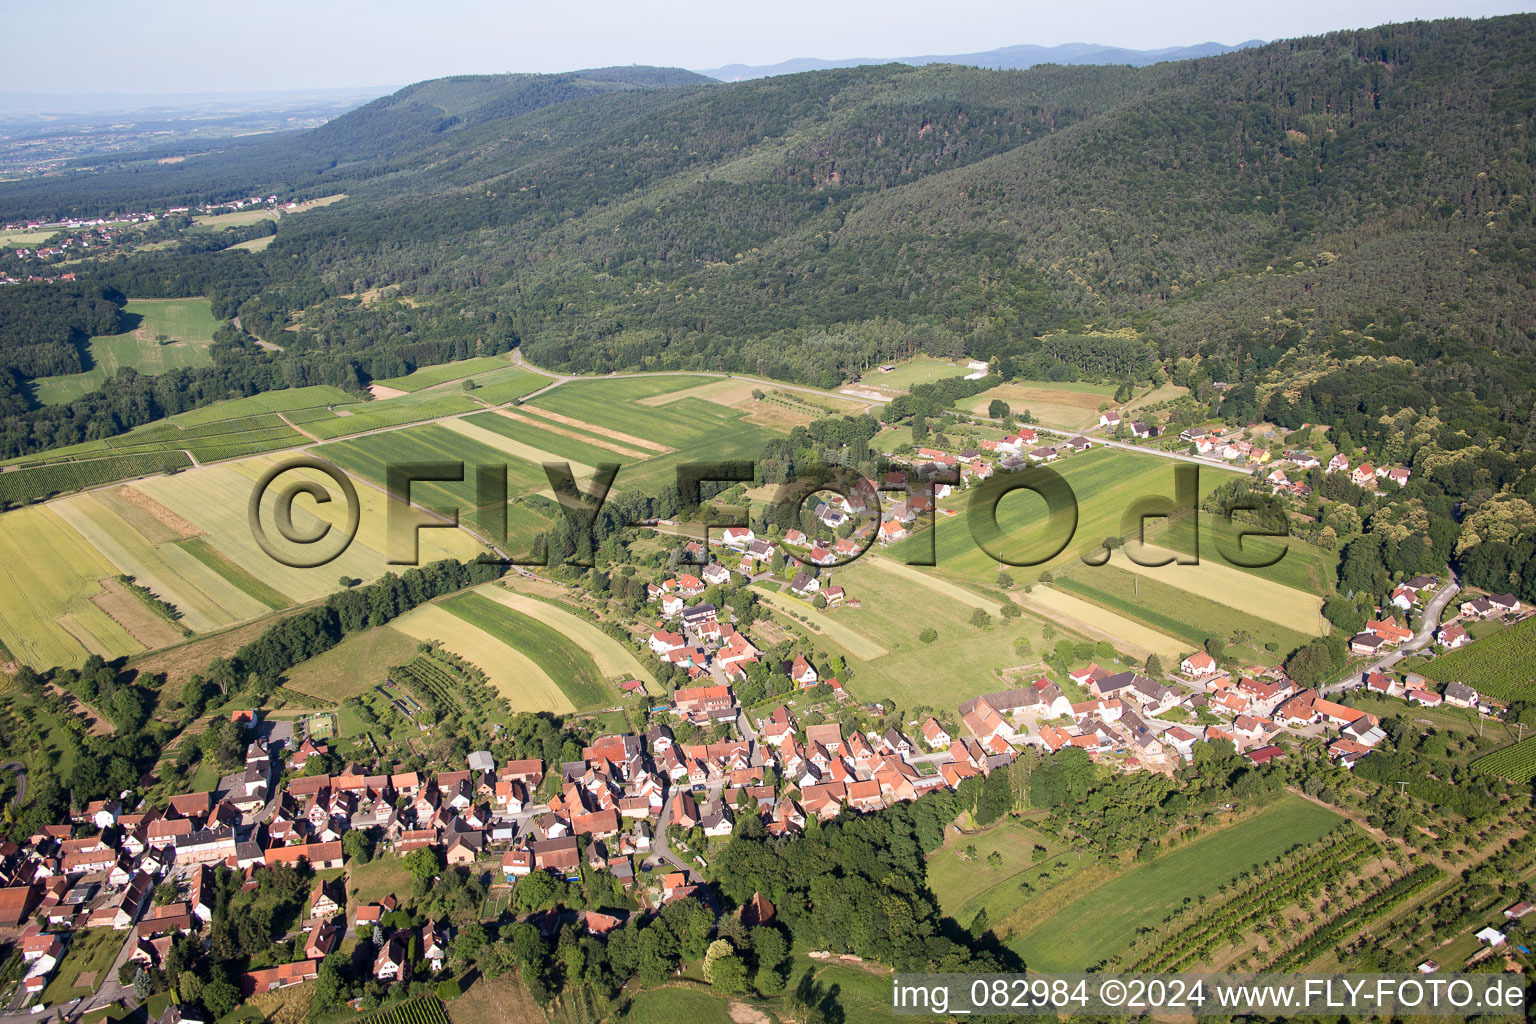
(661, 847)
(19, 770)
(1432, 613)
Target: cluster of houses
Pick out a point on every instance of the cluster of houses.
(101, 869)
(1138, 429)
(1364, 475)
(1114, 720)
(1123, 715)
(1379, 635)
(692, 637)
(1453, 634)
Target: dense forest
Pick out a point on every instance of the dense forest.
(1336, 229)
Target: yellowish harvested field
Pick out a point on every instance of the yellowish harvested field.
(1130, 637)
(511, 446)
(856, 643)
(366, 558)
(255, 244)
(162, 515)
(132, 614)
(941, 588)
(718, 391)
(1215, 580)
(513, 673)
(1065, 408)
(608, 432)
(582, 472)
(611, 657)
(49, 572)
(597, 442)
(205, 599)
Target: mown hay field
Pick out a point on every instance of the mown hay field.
(50, 574)
(571, 667)
(515, 675)
(611, 657)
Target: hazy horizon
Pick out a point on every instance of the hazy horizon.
(287, 46)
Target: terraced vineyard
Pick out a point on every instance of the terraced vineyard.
(1192, 936)
(420, 1010)
(1502, 665)
(21, 486)
(1517, 764)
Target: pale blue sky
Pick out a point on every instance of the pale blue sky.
(155, 46)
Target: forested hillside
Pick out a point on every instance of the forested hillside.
(1337, 228)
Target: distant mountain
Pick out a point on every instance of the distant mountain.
(1010, 58)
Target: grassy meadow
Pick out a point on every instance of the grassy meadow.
(879, 639)
(919, 370)
(1060, 404)
(187, 325)
(1106, 482)
(1102, 921)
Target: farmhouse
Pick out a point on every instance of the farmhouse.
(1199, 665)
(1452, 636)
(1460, 695)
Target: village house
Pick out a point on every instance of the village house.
(1460, 695)
(1199, 665)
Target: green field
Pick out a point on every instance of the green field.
(1103, 922)
(514, 674)
(879, 639)
(612, 658)
(921, 370)
(372, 456)
(1502, 665)
(698, 430)
(187, 325)
(91, 951)
(964, 886)
(671, 1005)
(286, 400)
(571, 668)
(559, 446)
(1302, 566)
(21, 238)
(1107, 482)
(216, 560)
(1180, 613)
(441, 373)
(1065, 405)
(352, 666)
(356, 417)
